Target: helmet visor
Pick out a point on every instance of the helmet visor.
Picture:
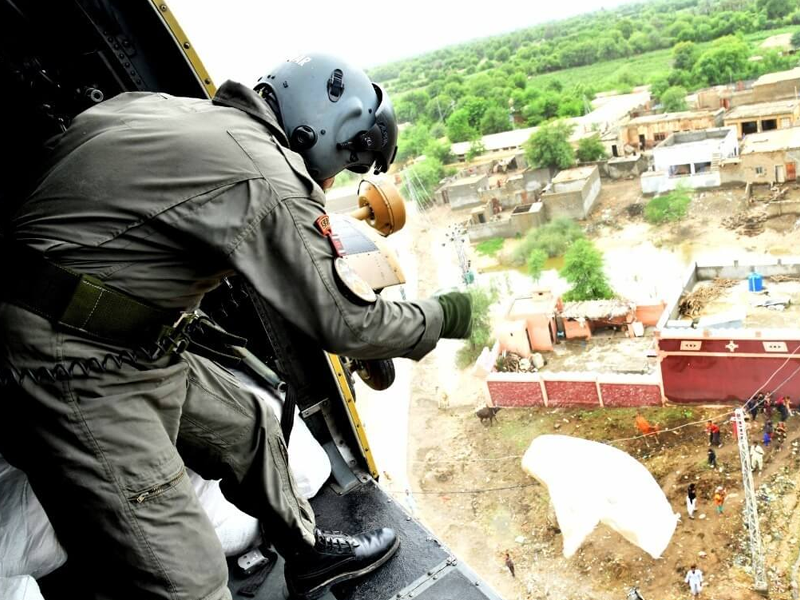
(379, 141)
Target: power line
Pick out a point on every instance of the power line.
(636, 437)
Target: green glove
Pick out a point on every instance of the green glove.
(457, 321)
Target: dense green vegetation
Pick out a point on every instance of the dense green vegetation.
(553, 239)
(490, 247)
(590, 149)
(421, 179)
(553, 70)
(536, 262)
(668, 207)
(481, 335)
(583, 268)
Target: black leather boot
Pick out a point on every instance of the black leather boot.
(337, 557)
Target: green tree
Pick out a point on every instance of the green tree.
(495, 120)
(519, 80)
(553, 239)
(536, 260)
(425, 173)
(796, 39)
(685, 55)
(481, 335)
(583, 268)
(439, 150)
(475, 107)
(502, 55)
(412, 141)
(591, 149)
(626, 27)
(776, 9)
(458, 126)
(725, 61)
(674, 99)
(476, 148)
(550, 147)
(640, 42)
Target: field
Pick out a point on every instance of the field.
(644, 68)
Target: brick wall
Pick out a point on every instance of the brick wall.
(620, 395)
(573, 389)
(515, 393)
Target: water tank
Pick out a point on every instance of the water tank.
(755, 283)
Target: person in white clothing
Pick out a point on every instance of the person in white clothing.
(757, 457)
(694, 577)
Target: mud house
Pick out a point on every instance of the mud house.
(522, 218)
(777, 86)
(572, 193)
(530, 324)
(690, 159)
(768, 157)
(464, 192)
(647, 131)
(764, 116)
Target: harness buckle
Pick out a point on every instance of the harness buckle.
(176, 339)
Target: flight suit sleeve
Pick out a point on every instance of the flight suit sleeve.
(290, 263)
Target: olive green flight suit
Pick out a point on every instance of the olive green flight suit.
(161, 197)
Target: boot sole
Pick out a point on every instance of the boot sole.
(318, 591)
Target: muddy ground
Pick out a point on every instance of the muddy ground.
(456, 464)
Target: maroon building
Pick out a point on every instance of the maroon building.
(745, 340)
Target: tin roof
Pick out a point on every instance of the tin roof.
(596, 309)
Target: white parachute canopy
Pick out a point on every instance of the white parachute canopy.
(591, 483)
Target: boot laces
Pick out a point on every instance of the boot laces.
(335, 541)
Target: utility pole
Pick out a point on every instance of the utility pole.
(750, 507)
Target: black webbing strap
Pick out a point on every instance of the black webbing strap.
(78, 301)
(287, 416)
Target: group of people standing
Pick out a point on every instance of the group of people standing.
(772, 431)
(691, 499)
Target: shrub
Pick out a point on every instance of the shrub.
(668, 207)
(553, 239)
(591, 149)
(481, 336)
(536, 260)
(490, 247)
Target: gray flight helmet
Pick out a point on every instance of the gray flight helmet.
(333, 115)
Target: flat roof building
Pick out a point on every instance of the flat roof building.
(768, 157)
(764, 116)
(573, 193)
(691, 159)
(647, 131)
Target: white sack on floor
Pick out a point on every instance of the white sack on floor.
(28, 544)
(308, 460)
(237, 531)
(591, 483)
(21, 587)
